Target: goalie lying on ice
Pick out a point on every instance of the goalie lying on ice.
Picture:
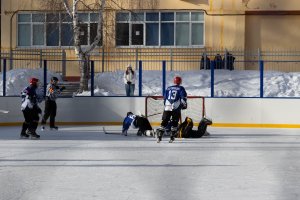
(185, 129)
(136, 121)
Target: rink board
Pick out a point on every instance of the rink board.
(225, 112)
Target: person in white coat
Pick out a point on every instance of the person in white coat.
(129, 81)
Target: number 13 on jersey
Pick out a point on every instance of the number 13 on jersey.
(172, 94)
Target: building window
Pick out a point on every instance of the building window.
(166, 29)
(55, 29)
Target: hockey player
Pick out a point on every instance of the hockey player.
(52, 92)
(185, 129)
(136, 121)
(30, 99)
(175, 99)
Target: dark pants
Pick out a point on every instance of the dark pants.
(31, 119)
(201, 129)
(167, 115)
(172, 117)
(50, 111)
(143, 124)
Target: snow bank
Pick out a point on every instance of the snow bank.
(17, 79)
(237, 83)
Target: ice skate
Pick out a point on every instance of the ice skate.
(34, 135)
(154, 134)
(207, 120)
(159, 134)
(54, 128)
(139, 133)
(158, 139)
(24, 135)
(171, 139)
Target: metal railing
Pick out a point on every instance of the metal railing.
(33, 59)
(114, 59)
(220, 82)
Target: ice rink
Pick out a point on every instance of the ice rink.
(79, 163)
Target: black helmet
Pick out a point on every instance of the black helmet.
(129, 113)
(54, 78)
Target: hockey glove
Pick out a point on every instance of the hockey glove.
(62, 88)
(184, 106)
(128, 82)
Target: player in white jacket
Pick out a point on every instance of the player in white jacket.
(129, 81)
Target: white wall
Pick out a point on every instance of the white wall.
(254, 110)
(110, 110)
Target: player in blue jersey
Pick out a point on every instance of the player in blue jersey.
(175, 99)
(136, 121)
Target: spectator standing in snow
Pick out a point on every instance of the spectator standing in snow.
(129, 80)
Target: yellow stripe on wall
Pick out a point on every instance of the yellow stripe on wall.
(256, 125)
(226, 125)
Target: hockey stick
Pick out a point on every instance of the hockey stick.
(4, 111)
(105, 132)
(154, 114)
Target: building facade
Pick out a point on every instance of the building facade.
(150, 26)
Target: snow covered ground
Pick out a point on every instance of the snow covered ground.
(234, 83)
(82, 162)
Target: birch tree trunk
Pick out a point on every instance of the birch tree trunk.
(83, 54)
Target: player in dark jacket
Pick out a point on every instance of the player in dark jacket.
(30, 99)
(136, 121)
(175, 99)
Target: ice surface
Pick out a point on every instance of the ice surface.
(82, 162)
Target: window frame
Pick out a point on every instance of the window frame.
(60, 23)
(190, 22)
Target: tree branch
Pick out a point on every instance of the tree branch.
(89, 6)
(67, 7)
(99, 29)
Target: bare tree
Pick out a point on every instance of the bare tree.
(72, 7)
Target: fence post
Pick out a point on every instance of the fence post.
(4, 77)
(225, 59)
(103, 59)
(140, 77)
(41, 58)
(261, 68)
(45, 77)
(136, 58)
(64, 64)
(171, 59)
(92, 77)
(212, 81)
(204, 60)
(259, 56)
(11, 60)
(163, 77)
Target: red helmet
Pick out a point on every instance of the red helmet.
(177, 80)
(33, 81)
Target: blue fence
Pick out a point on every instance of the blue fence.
(220, 80)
